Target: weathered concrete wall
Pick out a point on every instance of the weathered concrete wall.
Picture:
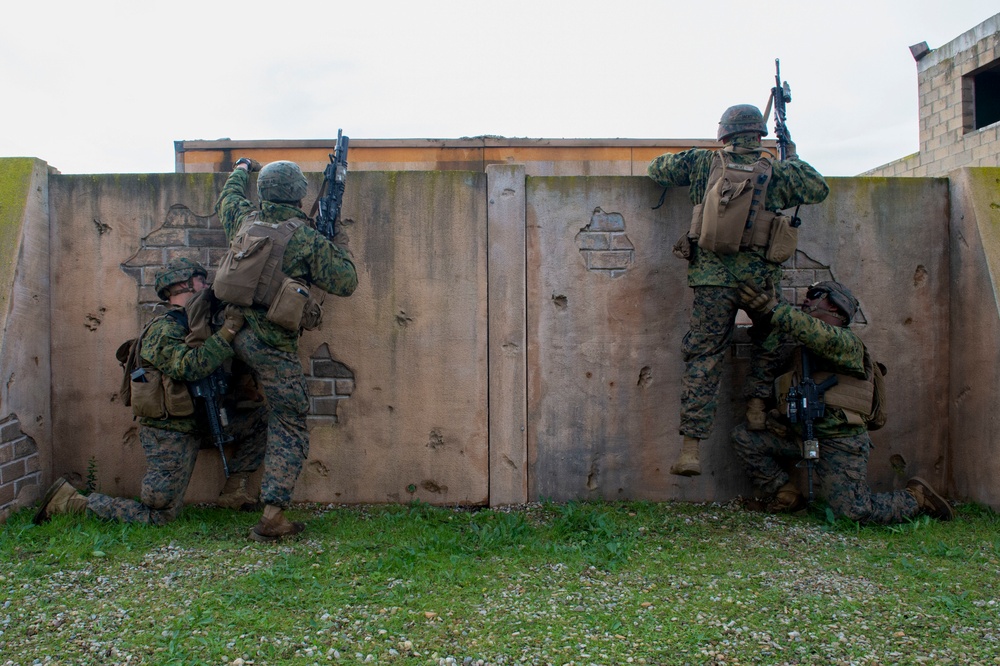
(518, 337)
(974, 392)
(608, 308)
(25, 374)
(411, 423)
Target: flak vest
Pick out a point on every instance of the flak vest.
(861, 399)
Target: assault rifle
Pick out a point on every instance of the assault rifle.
(209, 391)
(331, 194)
(806, 406)
(781, 94)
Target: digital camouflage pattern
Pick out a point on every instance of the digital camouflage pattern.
(170, 460)
(704, 348)
(282, 181)
(181, 269)
(793, 182)
(164, 347)
(713, 316)
(841, 473)
(308, 256)
(271, 350)
(842, 468)
(283, 382)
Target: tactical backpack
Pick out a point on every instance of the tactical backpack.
(250, 275)
(732, 217)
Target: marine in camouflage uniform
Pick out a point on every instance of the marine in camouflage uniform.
(171, 444)
(269, 349)
(715, 277)
(842, 467)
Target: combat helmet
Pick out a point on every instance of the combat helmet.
(181, 269)
(281, 182)
(840, 296)
(741, 118)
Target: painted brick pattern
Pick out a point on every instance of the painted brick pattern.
(20, 467)
(604, 245)
(329, 382)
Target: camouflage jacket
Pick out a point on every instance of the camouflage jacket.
(309, 255)
(164, 346)
(835, 349)
(793, 182)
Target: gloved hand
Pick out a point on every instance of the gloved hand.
(233, 323)
(252, 165)
(755, 300)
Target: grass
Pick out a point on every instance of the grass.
(574, 583)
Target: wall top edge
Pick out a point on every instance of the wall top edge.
(963, 42)
(473, 142)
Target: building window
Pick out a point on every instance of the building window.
(982, 88)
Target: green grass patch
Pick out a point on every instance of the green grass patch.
(576, 583)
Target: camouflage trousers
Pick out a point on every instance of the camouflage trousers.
(284, 384)
(713, 321)
(170, 460)
(841, 473)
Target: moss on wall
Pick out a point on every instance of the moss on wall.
(15, 178)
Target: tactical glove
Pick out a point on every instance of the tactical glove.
(252, 165)
(758, 301)
(233, 323)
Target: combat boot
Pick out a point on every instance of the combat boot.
(756, 416)
(235, 496)
(61, 497)
(928, 500)
(274, 526)
(687, 463)
(788, 499)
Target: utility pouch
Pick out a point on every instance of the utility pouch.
(312, 314)
(177, 398)
(289, 304)
(726, 209)
(147, 394)
(682, 248)
(239, 273)
(782, 240)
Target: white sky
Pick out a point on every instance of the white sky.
(107, 87)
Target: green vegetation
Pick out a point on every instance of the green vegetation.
(575, 583)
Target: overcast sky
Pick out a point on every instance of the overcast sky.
(107, 87)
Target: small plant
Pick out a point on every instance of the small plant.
(91, 476)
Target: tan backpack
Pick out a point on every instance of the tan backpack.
(250, 274)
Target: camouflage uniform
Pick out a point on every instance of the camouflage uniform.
(842, 467)
(171, 445)
(271, 350)
(714, 278)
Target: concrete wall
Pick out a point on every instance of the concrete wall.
(949, 138)
(25, 370)
(518, 337)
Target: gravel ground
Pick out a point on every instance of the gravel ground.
(707, 602)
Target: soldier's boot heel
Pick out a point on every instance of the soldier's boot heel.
(274, 526)
(688, 462)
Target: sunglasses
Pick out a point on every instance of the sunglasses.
(815, 294)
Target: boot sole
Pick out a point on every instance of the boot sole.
(265, 538)
(42, 515)
(941, 505)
